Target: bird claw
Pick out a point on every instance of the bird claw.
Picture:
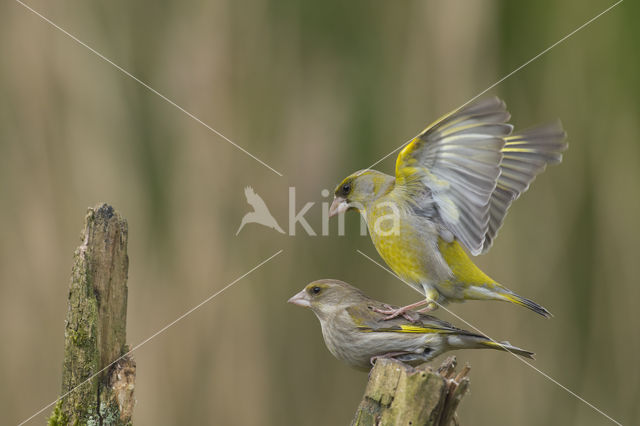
(392, 313)
(374, 358)
(405, 311)
(386, 309)
(408, 315)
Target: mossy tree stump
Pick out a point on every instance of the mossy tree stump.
(95, 328)
(398, 394)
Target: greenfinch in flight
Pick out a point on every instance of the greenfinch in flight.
(356, 334)
(453, 185)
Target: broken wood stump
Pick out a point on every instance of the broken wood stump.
(95, 389)
(398, 394)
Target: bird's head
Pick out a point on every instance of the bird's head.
(359, 189)
(326, 296)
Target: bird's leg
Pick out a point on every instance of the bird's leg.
(404, 311)
(431, 296)
(431, 306)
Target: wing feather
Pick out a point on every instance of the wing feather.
(367, 321)
(457, 159)
(525, 155)
(473, 169)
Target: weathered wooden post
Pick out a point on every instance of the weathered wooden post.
(398, 394)
(95, 328)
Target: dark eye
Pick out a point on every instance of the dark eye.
(346, 188)
(315, 290)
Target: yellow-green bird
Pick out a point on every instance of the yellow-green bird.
(453, 185)
(355, 333)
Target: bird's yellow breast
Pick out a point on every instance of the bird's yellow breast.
(400, 247)
(401, 255)
(417, 254)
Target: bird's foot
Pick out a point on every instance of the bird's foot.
(405, 311)
(391, 313)
(387, 355)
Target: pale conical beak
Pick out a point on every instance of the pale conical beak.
(338, 206)
(300, 299)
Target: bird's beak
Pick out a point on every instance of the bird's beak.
(338, 206)
(300, 299)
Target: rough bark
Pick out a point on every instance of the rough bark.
(398, 394)
(95, 328)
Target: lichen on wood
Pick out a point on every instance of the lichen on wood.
(95, 328)
(398, 394)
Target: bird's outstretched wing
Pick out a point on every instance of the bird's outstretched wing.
(525, 155)
(451, 168)
(255, 200)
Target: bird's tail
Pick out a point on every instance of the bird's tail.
(495, 291)
(242, 224)
(477, 341)
(506, 346)
(519, 300)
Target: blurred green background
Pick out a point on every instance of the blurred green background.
(317, 90)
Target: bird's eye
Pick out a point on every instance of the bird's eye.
(346, 188)
(315, 290)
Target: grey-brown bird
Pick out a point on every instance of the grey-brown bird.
(356, 334)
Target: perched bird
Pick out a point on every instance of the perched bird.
(453, 185)
(260, 213)
(356, 334)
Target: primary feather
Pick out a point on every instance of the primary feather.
(525, 155)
